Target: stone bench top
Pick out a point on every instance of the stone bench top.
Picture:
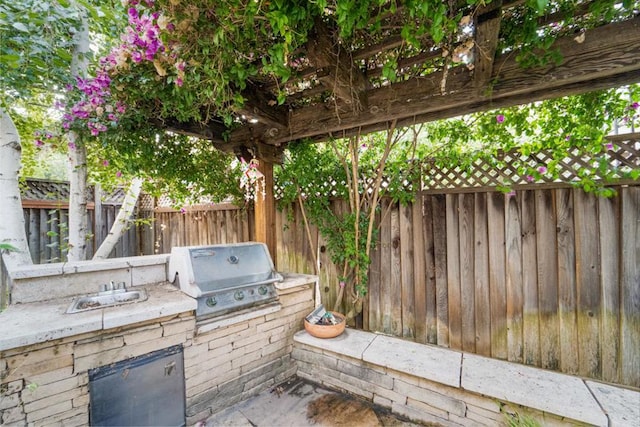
(26, 324)
(563, 395)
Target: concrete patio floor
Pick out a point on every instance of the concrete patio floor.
(298, 403)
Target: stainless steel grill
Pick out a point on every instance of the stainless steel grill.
(225, 278)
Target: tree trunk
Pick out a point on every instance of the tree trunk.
(122, 220)
(12, 230)
(78, 223)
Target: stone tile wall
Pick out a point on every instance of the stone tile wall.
(230, 364)
(336, 364)
(47, 383)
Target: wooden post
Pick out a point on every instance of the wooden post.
(265, 210)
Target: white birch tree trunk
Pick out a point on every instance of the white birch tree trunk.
(78, 223)
(122, 220)
(12, 231)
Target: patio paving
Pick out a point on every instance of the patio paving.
(298, 403)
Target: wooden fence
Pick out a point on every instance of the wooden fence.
(202, 225)
(46, 226)
(546, 277)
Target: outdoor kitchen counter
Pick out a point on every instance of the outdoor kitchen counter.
(292, 280)
(32, 323)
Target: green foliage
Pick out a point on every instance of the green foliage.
(321, 173)
(188, 169)
(7, 247)
(557, 126)
(517, 419)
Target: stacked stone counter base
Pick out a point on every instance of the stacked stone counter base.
(45, 355)
(229, 364)
(436, 385)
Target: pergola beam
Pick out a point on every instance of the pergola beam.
(344, 79)
(260, 109)
(609, 55)
(487, 25)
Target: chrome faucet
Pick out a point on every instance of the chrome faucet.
(113, 287)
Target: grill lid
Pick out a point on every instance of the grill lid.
(204, 270)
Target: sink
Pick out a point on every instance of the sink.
(106, 299)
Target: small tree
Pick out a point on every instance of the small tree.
(365, 169)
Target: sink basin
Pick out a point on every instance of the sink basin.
(106, 299)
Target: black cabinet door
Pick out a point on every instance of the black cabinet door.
(148, 390)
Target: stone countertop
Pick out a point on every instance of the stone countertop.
(32, 323)
(292, 280)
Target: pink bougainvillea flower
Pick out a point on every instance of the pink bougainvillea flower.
(500, 118)
(183, 210)
(118, 174)
(542, 169)
(179, 82)
(567, 138)
(136, 56)
(635, 105)
(71, 146)
(511, 193)
(529, 178)
(105, 163)
(608, 146)
(39, 143)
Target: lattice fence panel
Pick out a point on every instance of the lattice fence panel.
(507, 169)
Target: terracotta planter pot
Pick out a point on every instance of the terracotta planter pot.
(326, 331)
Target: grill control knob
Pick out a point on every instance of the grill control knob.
(262, 290)
(239, 295)
(211, 301)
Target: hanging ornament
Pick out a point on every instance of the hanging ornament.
(252, 179)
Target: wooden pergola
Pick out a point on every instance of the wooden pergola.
(339, 91)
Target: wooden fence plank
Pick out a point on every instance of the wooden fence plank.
(407, 263)
(300, 241)
(547, 280)
(385, 271)
(375, 286)
(146, 232)
(419, 266)
(454, 295)
(531, 321)
(33, 234)
(287, 239)
(467, 286)
(396, 272)
(588, 280)
(515, 291)
(481, 277)
(91, 240)
(497, 275)
(423, 212)
(327, 276)
(224, 232)
(567, 301)
(45, 250)
(439, 211)
(609, 235)
(630, 287)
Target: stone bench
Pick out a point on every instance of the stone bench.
(433, 384)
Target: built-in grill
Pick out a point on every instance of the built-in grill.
(225, 278)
